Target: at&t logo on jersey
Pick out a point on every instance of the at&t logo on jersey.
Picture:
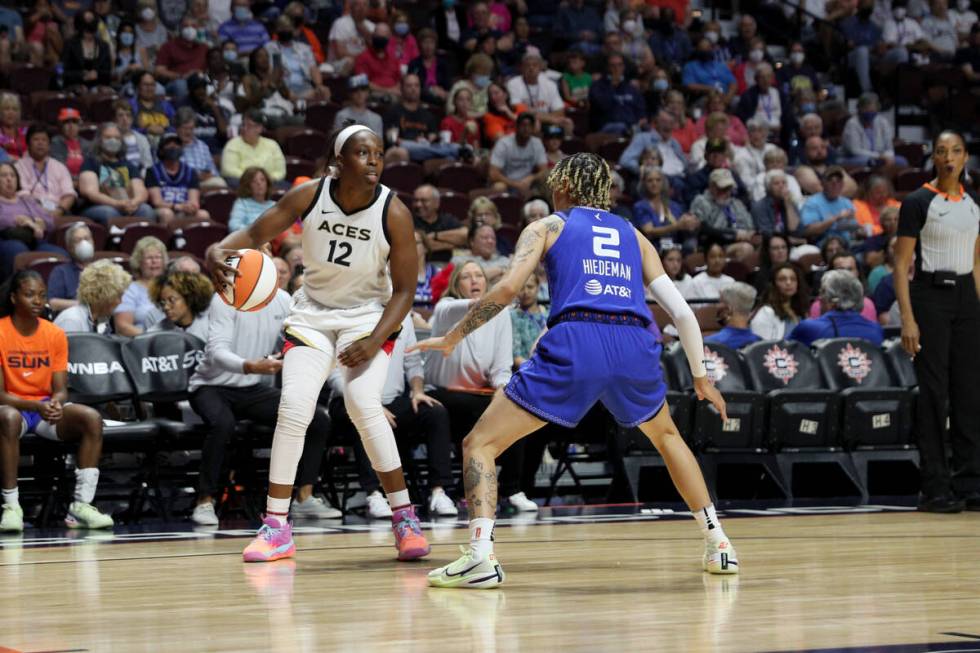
(596, 288)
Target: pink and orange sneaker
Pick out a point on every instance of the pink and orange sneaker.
(411, 544)
(273, 542)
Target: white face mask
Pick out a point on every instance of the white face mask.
(189, 33)
(629, 26)
(712, 37)
(797, 57)
(900, 13)
(755, 56)
(84, 250)
(963, 5)
(147, 14)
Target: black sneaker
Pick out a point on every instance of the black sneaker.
(944, 503)
(973, 501)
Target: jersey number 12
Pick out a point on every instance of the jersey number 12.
(605, 242)
(340, 252)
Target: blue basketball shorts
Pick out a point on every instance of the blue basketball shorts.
(577, 364)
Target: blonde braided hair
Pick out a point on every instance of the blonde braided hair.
(585, 177)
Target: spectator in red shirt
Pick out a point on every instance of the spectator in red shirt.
(463, 129)
(383, 72)
(181, 56)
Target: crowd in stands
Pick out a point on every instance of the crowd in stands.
(732, 142)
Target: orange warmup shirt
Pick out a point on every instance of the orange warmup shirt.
(29, 362)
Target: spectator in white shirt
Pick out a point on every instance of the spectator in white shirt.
(900, 33)
(708, 284)
(750, 160)
(349, 36)
(783, 304)
(518, 160)
(940, 30)
(537, 92)
(964, 18)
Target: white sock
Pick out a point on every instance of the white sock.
(399, 499)
(277, 509)
(11, 497)
(481, 537)
(708, 521)
(86, 480)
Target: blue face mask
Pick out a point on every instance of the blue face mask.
(661, 85)
(867, 116)
(127, 39)
(401, 29)
(808, 107)
(243, 14)
(482, 81)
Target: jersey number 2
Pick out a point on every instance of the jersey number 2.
(340, 252)
(605, 242)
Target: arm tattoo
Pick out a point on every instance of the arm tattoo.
(529, 238)
(481, 313)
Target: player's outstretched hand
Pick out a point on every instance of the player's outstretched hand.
(221, 272)
(705, 390)
(433, 344)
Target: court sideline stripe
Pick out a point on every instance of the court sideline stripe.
(508, 542)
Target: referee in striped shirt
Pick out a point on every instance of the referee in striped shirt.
(940, 307)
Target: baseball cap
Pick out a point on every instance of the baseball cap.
(722, 178)
(553, 131)
(69, 113)
(834, 171)
(357, 82)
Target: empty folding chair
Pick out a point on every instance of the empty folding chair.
(803, 413)
(875, 411)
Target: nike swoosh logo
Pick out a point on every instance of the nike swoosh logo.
(27, 374)
(465, 571)
(322, 211)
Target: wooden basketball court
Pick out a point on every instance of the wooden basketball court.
(891, 580)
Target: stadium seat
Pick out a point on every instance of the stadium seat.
(309, 144)
(911, 179)
(133, 232)
(802, 412)
(45, 105)
(509, 234)
(297, 167)
(406, 176)
(612, 150)
(694, 262)
(580, 118)
(459, 177)
(99, 108)
(62, 223)
(320, 115)
(914, 153)
(338, 88)
(737, 270)
(453, 203)
(900, 364)
(875, 411)
(509, 207)
(744, 430)
(27, 78)
(197, 237)
(40, 262)
(161, 364)
(119, 258)
(573, 145)
(218, 204)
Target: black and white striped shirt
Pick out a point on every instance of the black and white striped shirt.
(945, 227)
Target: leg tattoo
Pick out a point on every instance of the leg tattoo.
(480, 485)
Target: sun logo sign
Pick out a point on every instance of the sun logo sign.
(781, 364)
(715, 366)
(854, 363)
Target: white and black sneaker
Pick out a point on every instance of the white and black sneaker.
(720, 557)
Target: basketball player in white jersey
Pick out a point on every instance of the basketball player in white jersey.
(348, 311)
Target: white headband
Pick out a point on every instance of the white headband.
(346, 133)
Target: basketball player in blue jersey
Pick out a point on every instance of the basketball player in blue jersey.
(359, 284)
(601, 345)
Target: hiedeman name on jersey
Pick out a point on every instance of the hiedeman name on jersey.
(601, 268)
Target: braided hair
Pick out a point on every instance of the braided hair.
(585, 177)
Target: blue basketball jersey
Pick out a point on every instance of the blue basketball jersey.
(596, 265)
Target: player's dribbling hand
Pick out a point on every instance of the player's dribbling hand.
(433, 344)
(706, 391)
(221, 272)
(359, 352)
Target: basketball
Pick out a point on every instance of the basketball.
(256, 284)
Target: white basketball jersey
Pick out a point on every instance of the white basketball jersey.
(345, 255)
